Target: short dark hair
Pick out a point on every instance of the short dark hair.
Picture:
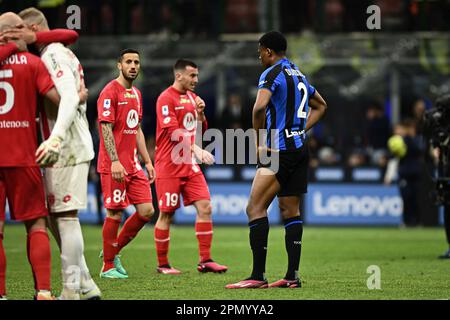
(181, 64)
(274, 40)
(124, 52)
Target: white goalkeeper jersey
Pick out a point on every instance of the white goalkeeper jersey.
(67, 74)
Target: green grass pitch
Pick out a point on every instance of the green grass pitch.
(333, 266)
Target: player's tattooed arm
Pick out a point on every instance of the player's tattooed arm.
(118, 172)
(108, 139)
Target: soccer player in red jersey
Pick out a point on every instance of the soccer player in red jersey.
(22, 77)
(123, 181)
(178, 109)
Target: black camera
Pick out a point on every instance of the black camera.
(437, 123)
(437, 130)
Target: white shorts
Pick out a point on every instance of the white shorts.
(67, 187)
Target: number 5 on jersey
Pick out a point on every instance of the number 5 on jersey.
(9, 91)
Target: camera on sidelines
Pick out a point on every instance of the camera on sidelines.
(437, 123)
(437, 130)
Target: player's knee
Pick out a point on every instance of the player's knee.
(147, 211)
(205, 210)
(287, 212)
(253, 212)
(114, 214)
(35, 224)
(166, 217)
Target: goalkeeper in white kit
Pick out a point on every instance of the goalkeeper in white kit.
(68, 139)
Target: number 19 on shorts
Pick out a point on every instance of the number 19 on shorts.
(171, 199)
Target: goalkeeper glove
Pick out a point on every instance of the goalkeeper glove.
(48, 152)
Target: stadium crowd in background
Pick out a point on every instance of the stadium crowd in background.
(234, 16)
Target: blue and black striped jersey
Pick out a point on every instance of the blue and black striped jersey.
(288, 107)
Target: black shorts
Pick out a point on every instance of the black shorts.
(292, 173)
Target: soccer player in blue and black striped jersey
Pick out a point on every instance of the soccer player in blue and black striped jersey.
(287, 104)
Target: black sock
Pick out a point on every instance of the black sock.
(259, 232)
(293, 241)
(447, 223)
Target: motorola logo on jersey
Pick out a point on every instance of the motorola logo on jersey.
(132, 119)
(189, 121)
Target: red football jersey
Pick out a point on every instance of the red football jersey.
(176, 115)
(22, 77)
(123, 108)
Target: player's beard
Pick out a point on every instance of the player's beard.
(128, 77)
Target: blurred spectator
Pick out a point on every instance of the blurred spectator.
(418, 111)
(357, 158)
(378, 127)
(327, 156)
(313, 146)
(407, 147)
(107, 18)
(137, 24)
(394, 14)
(241, 16)
(334, 14)
(233, 116)
(378, 131)
(379, 158)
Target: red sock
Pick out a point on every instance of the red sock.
(162, 239)
(204, 233)
(40, 258)
(2, 267)
(110, 228)
(29, 260)
(130, 229)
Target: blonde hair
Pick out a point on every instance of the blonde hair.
(33, 16)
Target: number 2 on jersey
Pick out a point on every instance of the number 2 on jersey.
(301, 108)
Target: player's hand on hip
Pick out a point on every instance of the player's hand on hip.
(118, 172)
(48, 152)
(263, 153)
(151, 172)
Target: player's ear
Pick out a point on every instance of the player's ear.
(119, 66)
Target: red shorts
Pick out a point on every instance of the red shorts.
(25, 192)
(192, 189)
(119, 195)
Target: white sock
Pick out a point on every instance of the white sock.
(86, 282)
(71, 254)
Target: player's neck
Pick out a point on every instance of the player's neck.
(178, 87)
(124, 82)
(277, 59)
